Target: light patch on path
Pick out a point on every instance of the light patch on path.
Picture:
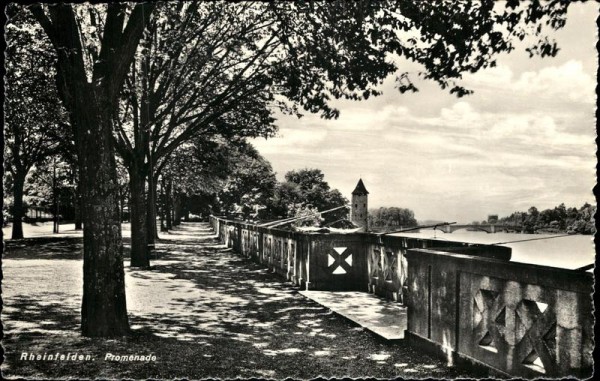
(287, 351)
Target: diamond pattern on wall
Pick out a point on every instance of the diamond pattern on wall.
(390, 265)
(535, 326)
(374, 265)
(518, 320)
(339, 260)
(489, 319)
(487, 339)
(339, 270)
(527, 312)
(541, 306)
(477, 314)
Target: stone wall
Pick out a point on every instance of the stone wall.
(387, 264)
(467, 303)
(519, 319)
(313, 261)
(351, 262)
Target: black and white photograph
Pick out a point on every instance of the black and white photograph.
(294, 190)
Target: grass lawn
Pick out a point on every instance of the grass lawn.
(203, 311)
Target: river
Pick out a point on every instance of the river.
(568, 252)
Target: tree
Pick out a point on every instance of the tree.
(392, 217)
(52, 187)
(250, 185)
(186, 57)
(559, 218)
(305, 191)
(531, 221)
(447, 39)
(199, 167)
(34, 116)
(585, 224)
(90, 69)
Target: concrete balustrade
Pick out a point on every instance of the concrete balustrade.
(388, 266)
(518, 319)
(351, 262)
(466, 302)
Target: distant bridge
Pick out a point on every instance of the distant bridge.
(488, 228)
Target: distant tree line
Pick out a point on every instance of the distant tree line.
(386, 218)
(559, 219)
(252, 192)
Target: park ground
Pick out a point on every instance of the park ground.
(201, 309)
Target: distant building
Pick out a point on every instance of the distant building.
(359, 213)
(492, 218)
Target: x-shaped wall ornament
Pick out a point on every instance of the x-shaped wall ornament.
(390, 265)
(284, 256)
(489, 318)
(340, 261)
(536, 335)
(375, 262)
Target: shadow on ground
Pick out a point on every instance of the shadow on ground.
(44, 248)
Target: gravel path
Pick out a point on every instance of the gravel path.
(203, 311)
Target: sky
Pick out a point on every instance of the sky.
(524, 138)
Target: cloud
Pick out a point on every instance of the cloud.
(291, 140)
(568, 81)
(537, 129)
(363, 119)
(461, 115)
(565, 81)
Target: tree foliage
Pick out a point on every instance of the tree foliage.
(205, 66)
(557, 219)
(446, 38)
(35, 121)
(305, 191)
(52, 181)
(391, 217)
(249, 186)
(33, 112)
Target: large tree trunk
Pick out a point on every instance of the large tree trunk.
(55, 207)
(168, 201)
(18, 211)
(79, 210)
(122, 205)
(163, 199)
(151, 211)
(186, 208)
(91, 106)
(103, 310)
(138, 217)
(177, 210)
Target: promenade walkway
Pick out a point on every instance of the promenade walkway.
(384, 318)
(203, 311)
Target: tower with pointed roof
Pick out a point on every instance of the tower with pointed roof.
(359, 212)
